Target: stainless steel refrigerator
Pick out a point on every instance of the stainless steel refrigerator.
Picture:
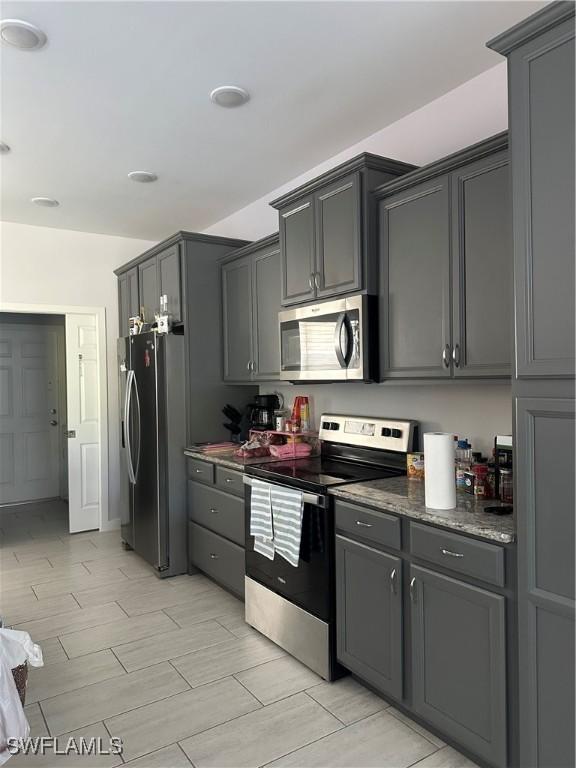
(152, 440)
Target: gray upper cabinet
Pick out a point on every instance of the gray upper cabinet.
(265, 306)
(297, 244)
(148, 287)
(338, 230)
(415, 273)
(446, 267)
(369, 614)
(251, 302)
(128, 305)
(541, 108)
(328, 230)
(237, 319)
(169, 281)
(459, 661)
(482, 268)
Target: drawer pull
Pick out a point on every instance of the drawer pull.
(229, 480)
(213, 556)
(363, 524)
(393, 581)
(413, 589)
(451, 554)
(198, 471)
(214, 511)
(281, 580)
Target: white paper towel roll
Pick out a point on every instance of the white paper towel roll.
(439, 470)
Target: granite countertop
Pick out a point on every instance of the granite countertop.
(406, 497)
(227, 460)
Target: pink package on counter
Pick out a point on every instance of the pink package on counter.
(289, 451)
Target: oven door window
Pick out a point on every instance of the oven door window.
(323, 343)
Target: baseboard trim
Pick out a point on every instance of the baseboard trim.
(110, 525)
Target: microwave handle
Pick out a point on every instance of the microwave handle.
(342, 356)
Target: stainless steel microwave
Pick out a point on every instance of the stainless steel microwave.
(328, 341)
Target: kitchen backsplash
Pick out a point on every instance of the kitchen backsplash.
(477, 411)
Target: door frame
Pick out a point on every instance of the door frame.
(99, 313)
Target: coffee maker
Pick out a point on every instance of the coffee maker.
(261, 412)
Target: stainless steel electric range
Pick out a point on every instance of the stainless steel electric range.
(295, 607)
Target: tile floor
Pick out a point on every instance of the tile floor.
(171, 668)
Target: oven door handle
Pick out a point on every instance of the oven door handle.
(309, 498)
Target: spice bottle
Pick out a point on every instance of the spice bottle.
(481, 480)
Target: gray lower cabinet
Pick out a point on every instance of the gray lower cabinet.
(369, 610)
(546, 530)
(216, 556)
(446, 267)
(251, 302)
(128, 305)
(459, 661)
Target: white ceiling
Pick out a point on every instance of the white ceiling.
(124, 86)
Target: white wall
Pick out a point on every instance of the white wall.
(472, 112)
(41, 265)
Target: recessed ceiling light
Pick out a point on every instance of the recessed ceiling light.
(45, 202)
(4, 148)
(144, 177)
(22, 34)
(229, 96)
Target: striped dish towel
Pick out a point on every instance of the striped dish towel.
(261, 518)
(287, 510)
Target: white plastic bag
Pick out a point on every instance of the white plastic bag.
(13, 723)
(17, 647)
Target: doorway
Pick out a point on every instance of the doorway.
(33, 455)
(53, 412)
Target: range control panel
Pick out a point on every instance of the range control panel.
(368, 432)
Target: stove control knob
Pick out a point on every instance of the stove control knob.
(396, 433)
(386, 432)
(325, 425)
(335, 426)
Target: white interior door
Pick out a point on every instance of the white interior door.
(29, 431)
(83, 423)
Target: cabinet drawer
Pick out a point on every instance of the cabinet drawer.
(368, 524)
(217, 557)
(200, 471)
(217, 511)
(473, 558)
(230, 481)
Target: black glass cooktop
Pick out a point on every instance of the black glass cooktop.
(318, 474)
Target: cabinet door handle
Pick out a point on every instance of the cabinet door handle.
(446, 356)
(248, 365)
(316, 280)
(214, 511)
(393, 581)
(456, 355)
(198, 471)
(229, 480)
(311, 281)
(363, 524)
(413, 589)
(213, 556)
(451, 554)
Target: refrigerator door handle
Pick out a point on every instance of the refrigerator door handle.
(135, 383)
(127, 409)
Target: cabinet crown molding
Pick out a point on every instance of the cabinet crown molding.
(194, 237)
(534, 25)
(477, 151)
(366, 160)
(256, 245)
